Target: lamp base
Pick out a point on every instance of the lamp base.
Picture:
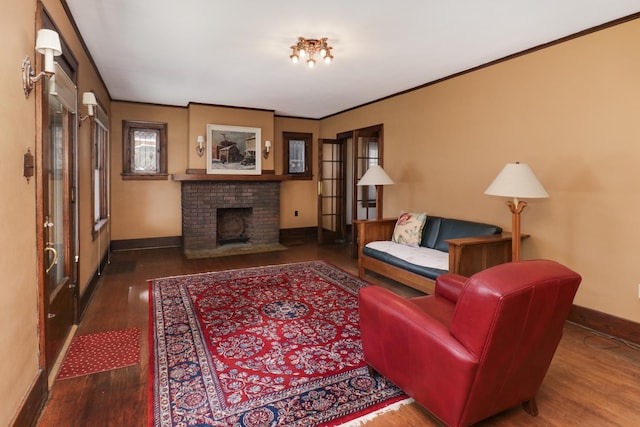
(516, 208)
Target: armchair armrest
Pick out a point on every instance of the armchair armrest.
(469, 255)
(401, 341)
(449, 286)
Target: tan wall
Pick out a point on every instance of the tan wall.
(200, 115)
(300, 195)
(19, 339)
(568, 110)
(147, 209)
(18, 305)
(571, 112)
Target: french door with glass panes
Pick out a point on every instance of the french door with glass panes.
(57, 213)
(331, 191)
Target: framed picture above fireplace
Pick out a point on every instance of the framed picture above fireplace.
(234, 150)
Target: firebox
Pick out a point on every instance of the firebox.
(233, 224)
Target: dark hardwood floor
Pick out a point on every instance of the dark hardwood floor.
(592, 381)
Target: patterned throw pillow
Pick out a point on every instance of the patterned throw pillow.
(408, 230)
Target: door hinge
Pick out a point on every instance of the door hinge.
(51, 315)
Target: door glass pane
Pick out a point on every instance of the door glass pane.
(55, 227)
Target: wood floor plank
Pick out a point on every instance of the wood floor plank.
(592, 381)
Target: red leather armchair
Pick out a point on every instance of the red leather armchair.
(476, 347)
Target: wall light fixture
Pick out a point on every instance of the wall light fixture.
(89, 99)
(48, 44)
(200, 146)
(267, 149)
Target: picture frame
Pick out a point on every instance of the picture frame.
(234, 150)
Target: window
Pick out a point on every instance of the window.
(100, 162)
(144, 151)
(297, 154)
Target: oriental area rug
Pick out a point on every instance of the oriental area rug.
(265, 346)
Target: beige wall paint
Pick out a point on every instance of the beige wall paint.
(570, 111)
(146, 209)
(18, 305)
(200, 115)
(19, 339)
(297, 195)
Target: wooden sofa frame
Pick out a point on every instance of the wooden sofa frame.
(467, 255)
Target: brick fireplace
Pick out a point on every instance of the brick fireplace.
(251, 209)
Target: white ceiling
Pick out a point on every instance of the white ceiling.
(236, 52)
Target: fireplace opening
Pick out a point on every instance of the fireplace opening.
(232, 225)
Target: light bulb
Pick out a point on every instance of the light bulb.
(323, 52)
(302, 53)
(294, 58)
(327, 59)
(311, 63)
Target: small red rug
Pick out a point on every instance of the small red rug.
(101, 352)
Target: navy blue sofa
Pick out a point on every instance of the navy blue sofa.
(472, 246)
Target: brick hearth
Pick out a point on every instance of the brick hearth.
(202, 199)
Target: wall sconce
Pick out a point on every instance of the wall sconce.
(48, 44)
(200, 147)
(267, 149)
(89, 99)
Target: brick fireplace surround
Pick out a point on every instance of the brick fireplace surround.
(201, 200)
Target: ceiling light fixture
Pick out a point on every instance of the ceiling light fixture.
(308, 48)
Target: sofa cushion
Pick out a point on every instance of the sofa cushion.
(456, 228)
(430, 231)
(430, 273)
(424, 257)
(408, 230)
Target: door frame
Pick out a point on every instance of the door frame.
(331, 236)
(70, 65)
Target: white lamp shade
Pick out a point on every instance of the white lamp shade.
(267, 144)
(200, 139)
(517, 180)
(375, 175)
(89, 98)
(48, 40)
(48, 44)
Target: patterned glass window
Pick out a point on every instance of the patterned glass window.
(297, 154)
(144, 151)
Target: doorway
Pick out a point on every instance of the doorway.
(332, 191)
(57, 212)
(342, 162)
